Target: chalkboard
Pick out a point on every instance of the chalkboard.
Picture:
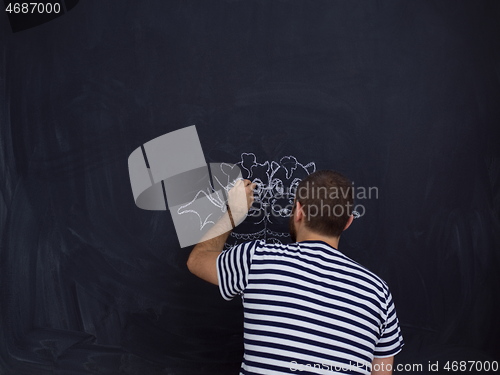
(402, 97)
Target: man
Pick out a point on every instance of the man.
(307, 307)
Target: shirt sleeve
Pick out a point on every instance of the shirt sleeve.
(233, 267)
(391, 341)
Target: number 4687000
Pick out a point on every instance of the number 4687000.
(33, 8)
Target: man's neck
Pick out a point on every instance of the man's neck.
(311, 236)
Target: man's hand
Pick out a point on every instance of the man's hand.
(203, 258)
(240, 200)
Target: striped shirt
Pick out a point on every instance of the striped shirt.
(308, 309)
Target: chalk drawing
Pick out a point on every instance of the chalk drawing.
(274, 195)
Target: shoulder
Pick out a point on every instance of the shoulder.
(263, 250)
(350, 268)
(377, 280)
(371, 276)
(262, 246)
(246, 246)
(244, 250)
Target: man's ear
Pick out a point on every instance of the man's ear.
(349, 222)
(299, 212)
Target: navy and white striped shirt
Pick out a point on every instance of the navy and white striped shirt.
(308, 309)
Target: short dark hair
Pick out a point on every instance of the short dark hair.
(327, 198)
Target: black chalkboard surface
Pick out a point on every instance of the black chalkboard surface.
(402, 97)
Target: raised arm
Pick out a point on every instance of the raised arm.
(202, 261)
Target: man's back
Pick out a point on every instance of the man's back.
(308, 308)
